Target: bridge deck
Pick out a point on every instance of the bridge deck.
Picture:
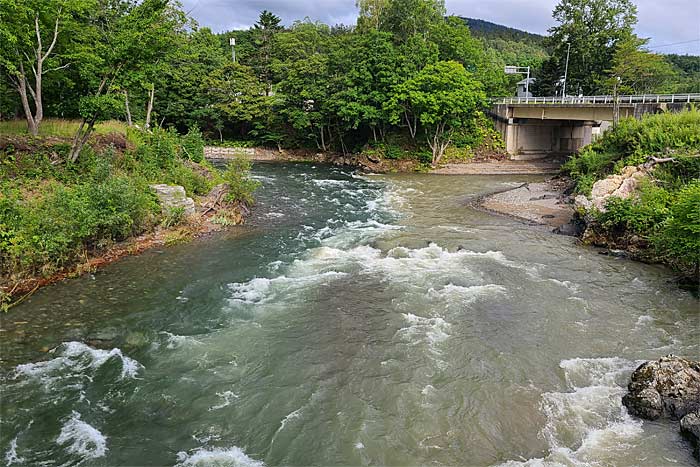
(599, 100)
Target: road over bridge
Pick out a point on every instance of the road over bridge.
(536, 127)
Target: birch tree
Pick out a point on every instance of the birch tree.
(32, 45)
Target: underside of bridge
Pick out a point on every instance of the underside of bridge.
(539, 131)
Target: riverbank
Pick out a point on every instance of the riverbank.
(127, 192)
(16, 289)
(500, 165)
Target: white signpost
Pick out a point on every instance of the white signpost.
(512, 70)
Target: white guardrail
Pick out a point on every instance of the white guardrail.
(638, 99)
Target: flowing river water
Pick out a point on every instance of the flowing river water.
(354, 321)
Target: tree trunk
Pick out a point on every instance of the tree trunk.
(81, 137)
(34, 120)
(128, 110)
(374, 132)
(21, 85)
(342, 144)
(438, 144)
(149, 108)
(323, 139)
(412, 125)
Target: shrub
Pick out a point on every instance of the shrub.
(174, 217)
(640, 215)
(193, 182)
(241, 186)
(54, 227)
(632, 142)
(679, 236)
(193, 146)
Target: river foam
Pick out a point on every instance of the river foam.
(587, 423)
(231, 457)
(81, 438)
(76, 357)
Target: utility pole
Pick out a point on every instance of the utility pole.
(616, 102)
(566, 70)
(232, 42)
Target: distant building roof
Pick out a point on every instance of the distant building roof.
(524, 82)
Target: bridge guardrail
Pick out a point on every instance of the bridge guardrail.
(632, 99)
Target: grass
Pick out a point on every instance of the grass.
(59, 127)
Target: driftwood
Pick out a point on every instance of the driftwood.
(652, 161)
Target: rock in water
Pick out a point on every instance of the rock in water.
(669, 387)
(172, 197)
(690, 427)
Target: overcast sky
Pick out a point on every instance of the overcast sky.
(664, 21)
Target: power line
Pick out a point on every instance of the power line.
(675, 43)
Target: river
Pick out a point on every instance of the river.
(355, 320)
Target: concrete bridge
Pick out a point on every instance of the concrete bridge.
(537, 127)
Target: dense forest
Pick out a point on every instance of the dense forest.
(405, 73)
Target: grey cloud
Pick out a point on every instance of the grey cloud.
(663, 21)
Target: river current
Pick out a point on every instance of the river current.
(355, 320)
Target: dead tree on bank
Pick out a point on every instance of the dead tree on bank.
(22, 80)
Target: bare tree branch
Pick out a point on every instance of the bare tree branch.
(55, 35)
(62, 67)
(38, 36)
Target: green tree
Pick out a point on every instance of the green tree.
(370, 14)
(594, 28)
(364, 72)
(129, 37)
(640, 72)
(444, 97)
(406, 18)
(182, 98)
(264, 33)
(239, 95)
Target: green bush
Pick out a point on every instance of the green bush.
(174, 217)
(679, 236)
(54, 227)
(53, 211)
(193, 145)
(632, 142)
(193, 182)
(639, 215)
(237, 176)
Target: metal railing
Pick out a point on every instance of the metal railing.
(568, 100)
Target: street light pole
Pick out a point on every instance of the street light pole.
(527, 83)
(566, 70)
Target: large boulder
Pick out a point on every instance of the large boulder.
(621, 186)
(172, 197)
(690, 427)
(668, 387)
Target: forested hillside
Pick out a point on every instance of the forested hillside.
(489, 30)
